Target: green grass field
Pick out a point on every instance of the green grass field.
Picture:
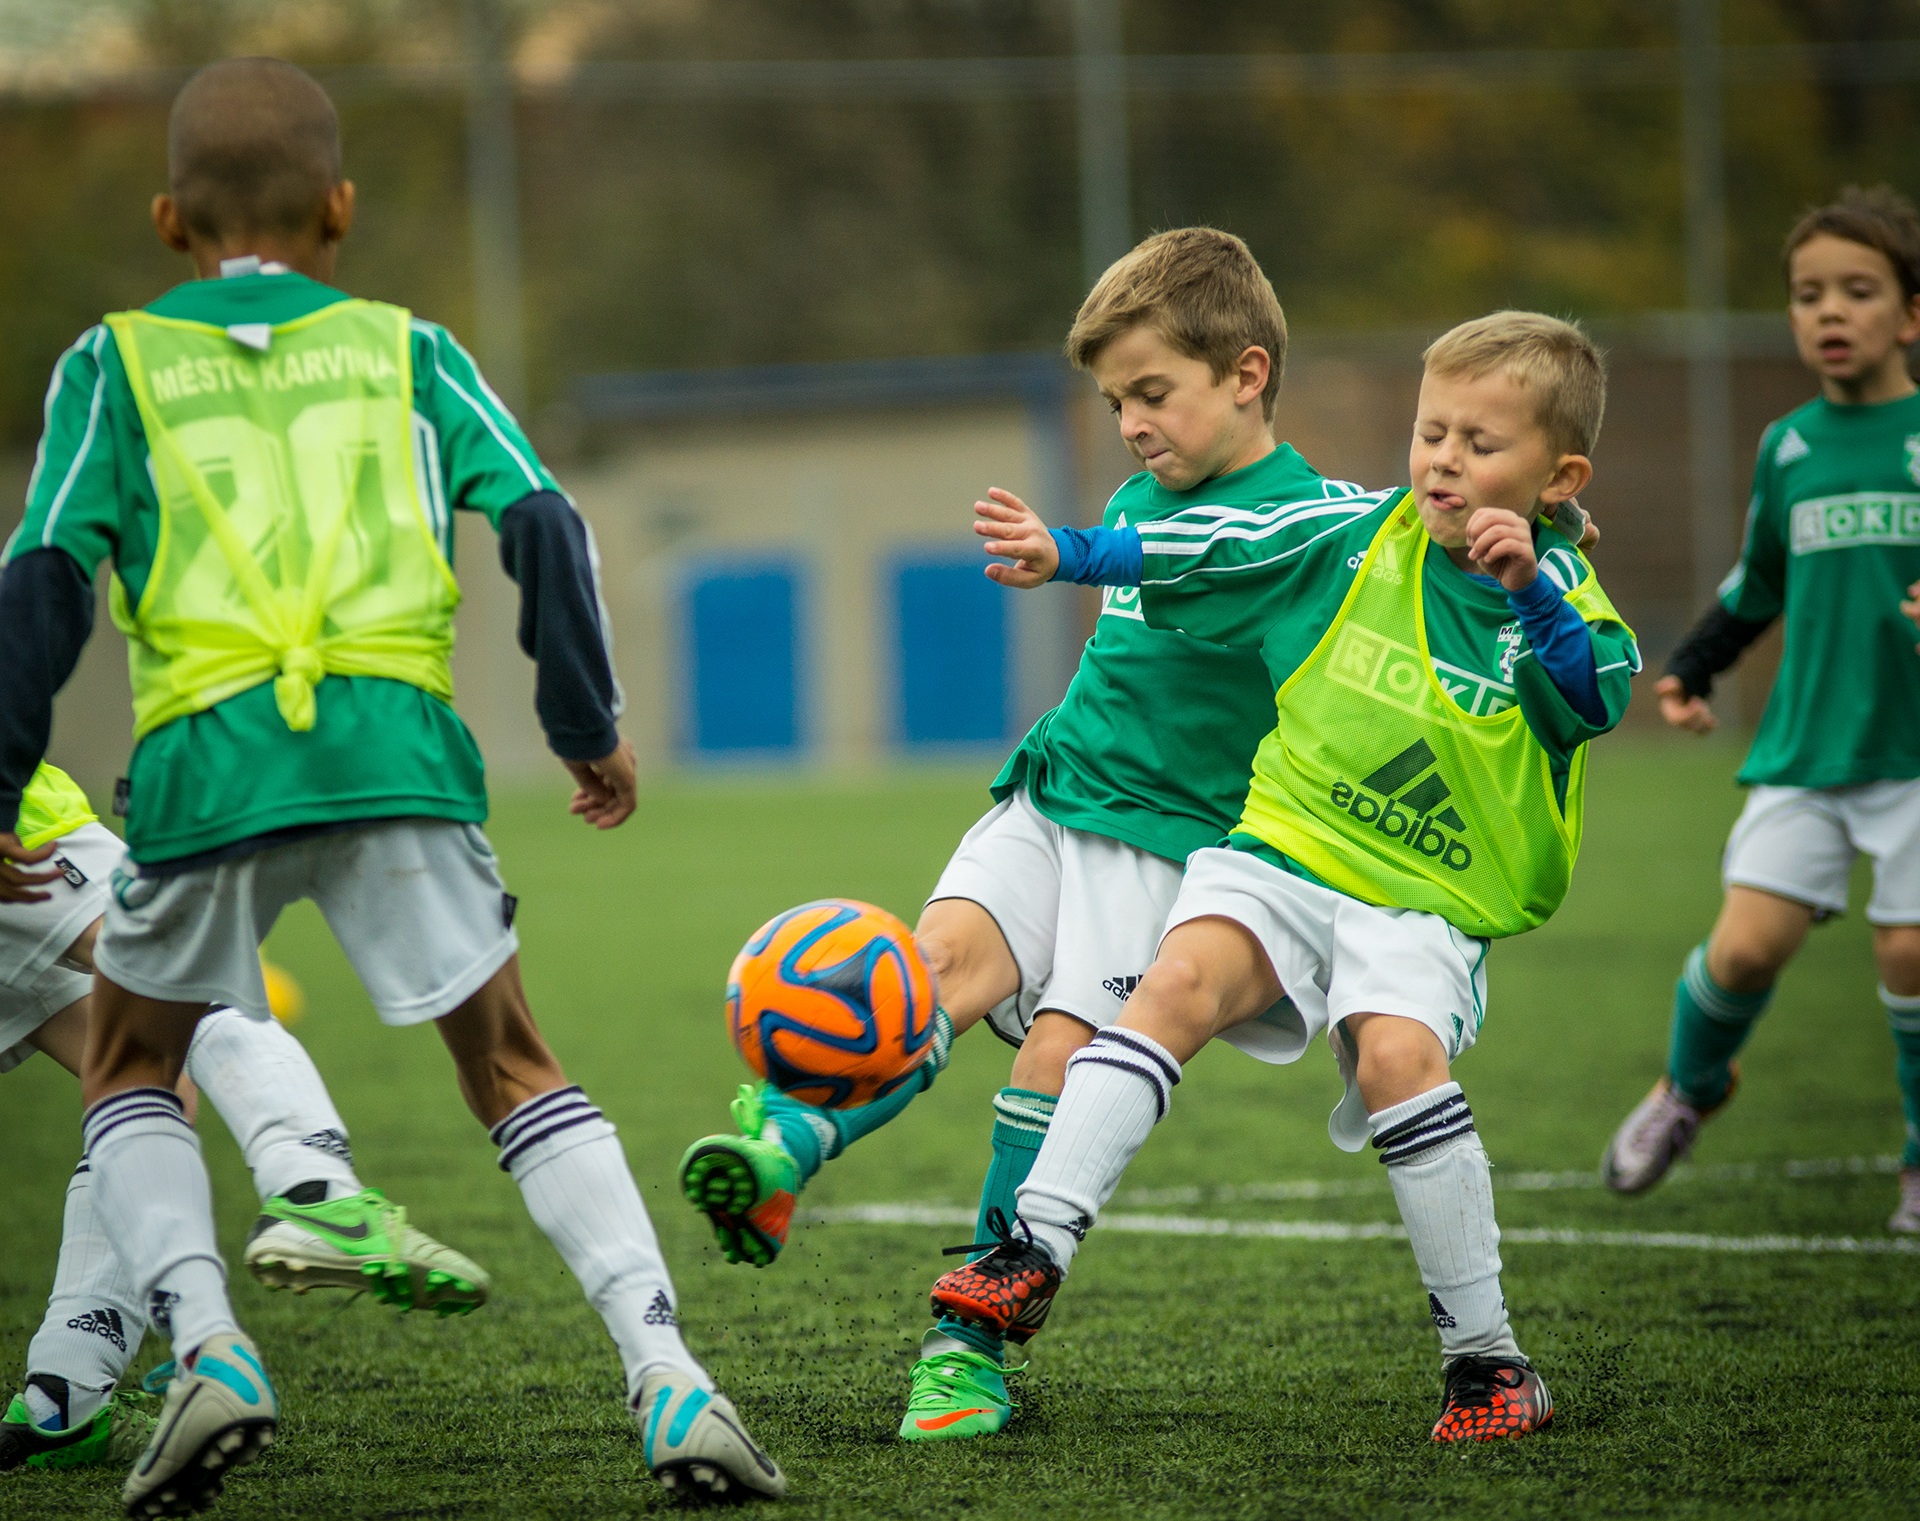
(1203, 1376)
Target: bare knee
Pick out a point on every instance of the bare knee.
(1755, 937)
(1896, 948)
(1041, 1066)
(972, 966)
(498, 1051)
(1396, 1059)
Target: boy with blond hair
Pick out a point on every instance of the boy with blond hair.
(1832, 545)
(1439, 661)
(272, 465)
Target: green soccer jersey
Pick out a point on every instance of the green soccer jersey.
(1154, 741)
(379, 748)
(1833, 541)
(1273, 582)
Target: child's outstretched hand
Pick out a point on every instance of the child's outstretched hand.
(1682, 711)
(1911, 607)
(1014, 529)
(1501, 543)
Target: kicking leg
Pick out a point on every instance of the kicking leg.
(151, 1194)
(959, 1386)
(1210, 975)
(747, 1184)
(1723, 990)
(574, 1176)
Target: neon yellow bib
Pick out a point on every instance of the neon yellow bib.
(292, 543)
(1381, 785)
(53, 805)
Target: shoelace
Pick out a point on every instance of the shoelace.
(1003, 1237)
(1473, 1382)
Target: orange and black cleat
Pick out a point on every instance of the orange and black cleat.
(1009, 1290)
(1491, 1397)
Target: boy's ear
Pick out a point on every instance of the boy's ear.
(167, 222)
(336, 218)
(1909, 333)
(1570, 477)
(1250, 372)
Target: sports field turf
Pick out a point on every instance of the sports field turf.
(1182, 1375)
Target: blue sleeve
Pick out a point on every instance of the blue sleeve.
(1098, 556)
(1560, 642)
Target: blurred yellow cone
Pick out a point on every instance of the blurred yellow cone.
(283, 993)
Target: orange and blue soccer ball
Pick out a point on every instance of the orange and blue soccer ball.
(831, 1003)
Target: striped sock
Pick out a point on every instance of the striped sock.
(1444, 1187)
(151, 1194)
(1020, 1120)
(567, 1160)
(1903, 1015)
(1710, 1025)
(1118, 1088)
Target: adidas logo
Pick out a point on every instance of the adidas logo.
(103, 1322)
(660, 1312)
(1121, 987)
(332, 1142)
(1438, 1311)
(1792, 447)
(1419, 817)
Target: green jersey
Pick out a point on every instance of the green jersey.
(379, 748)
(1274, 582)
(1833, 542)
(1154, 741)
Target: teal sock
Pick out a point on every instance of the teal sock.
(1020, 1120)
(1903, 1014)
(1709, 1026)
(813, 1135)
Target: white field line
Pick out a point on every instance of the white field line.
(1515, 1182)
(1383, 1230)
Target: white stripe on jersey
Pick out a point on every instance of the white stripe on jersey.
(433, 335)
(1256, 526)
(98, 335)
(433, 491)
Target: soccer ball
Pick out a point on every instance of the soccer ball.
(831, 1003)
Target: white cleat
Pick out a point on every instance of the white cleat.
(221, 1415)
(696, 1446)
(1659, 1132)
(1906, 1219)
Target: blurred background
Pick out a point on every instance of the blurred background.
(779, 286)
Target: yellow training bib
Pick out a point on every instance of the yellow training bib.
(53, 805)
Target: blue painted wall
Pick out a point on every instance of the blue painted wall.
(741, 644)
(951, 663)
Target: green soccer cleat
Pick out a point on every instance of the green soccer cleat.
(220, 1415)
(956, 1394)
(361, 1242)
(744, 1185)
(115, 1433)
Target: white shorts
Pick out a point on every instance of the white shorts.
(1081, 913)
(1800, 843)
(416, 904)
(34, 985)
(1336, 956)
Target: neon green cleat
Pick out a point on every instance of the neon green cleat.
(361, 1242)
(956, 1394)
(744, 1185)
(116, 1433)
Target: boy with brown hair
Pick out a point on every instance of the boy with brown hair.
(271, 465)
(1439, 661)
(1832, 545)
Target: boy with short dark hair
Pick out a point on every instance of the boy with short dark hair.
(271, 465)
(1832, 545)
(1439, 661)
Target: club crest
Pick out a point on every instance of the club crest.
(1913, 458)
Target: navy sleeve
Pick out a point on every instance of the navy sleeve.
(1710, 647)
(1560, 642)
(46, 614)
(547, 549)
(1098, 556)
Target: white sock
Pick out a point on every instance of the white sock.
(1118, 1087)
(270, 1094)
(93, 1324)
(580, 1192)
(1443, 1184)
(151, 1196)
